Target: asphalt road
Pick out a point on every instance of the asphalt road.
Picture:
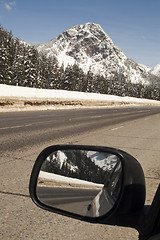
(26, 129)
(75, 200)
(23, 135)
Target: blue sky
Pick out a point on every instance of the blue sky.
(133, 25)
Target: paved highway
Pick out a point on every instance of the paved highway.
(75, 200)
(26, 129)
(23, 135)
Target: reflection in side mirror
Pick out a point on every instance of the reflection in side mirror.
(86, 183)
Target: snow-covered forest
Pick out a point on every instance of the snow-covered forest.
(22, 65)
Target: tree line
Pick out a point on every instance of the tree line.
(85, 167)
(22, 65)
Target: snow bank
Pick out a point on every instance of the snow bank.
(68, 180)
(70, 97)
(26, 92)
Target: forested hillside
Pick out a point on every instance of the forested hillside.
(22, 65)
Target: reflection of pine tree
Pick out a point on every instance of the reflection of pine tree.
(51, 164)
(86, 169)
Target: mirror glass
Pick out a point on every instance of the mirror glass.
(83, 182)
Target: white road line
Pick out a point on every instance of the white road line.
(113, 129)
(27, 125)
(95, 117)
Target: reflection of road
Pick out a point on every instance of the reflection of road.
(74, 200)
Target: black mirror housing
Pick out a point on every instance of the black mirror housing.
(130, 201)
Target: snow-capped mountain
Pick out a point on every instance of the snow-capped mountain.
(105, 161)
(92, 49)
(156, 70)
(88, 45)
(68, 160)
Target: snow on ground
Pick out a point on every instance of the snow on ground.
(33, 94)
(26, 92)
(68, 180)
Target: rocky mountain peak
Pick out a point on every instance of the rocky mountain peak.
(86, 30)
(88, 46)
(92, 49)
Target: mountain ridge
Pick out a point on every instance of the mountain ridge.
(93, 50)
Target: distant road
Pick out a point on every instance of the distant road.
(26, 129)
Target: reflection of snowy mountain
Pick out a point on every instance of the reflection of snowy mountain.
(87, 165)
(103, 160)
(61, 159)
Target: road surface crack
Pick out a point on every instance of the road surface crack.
(14, 194)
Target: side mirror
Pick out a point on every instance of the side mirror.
(90, 183)
(78, 181)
